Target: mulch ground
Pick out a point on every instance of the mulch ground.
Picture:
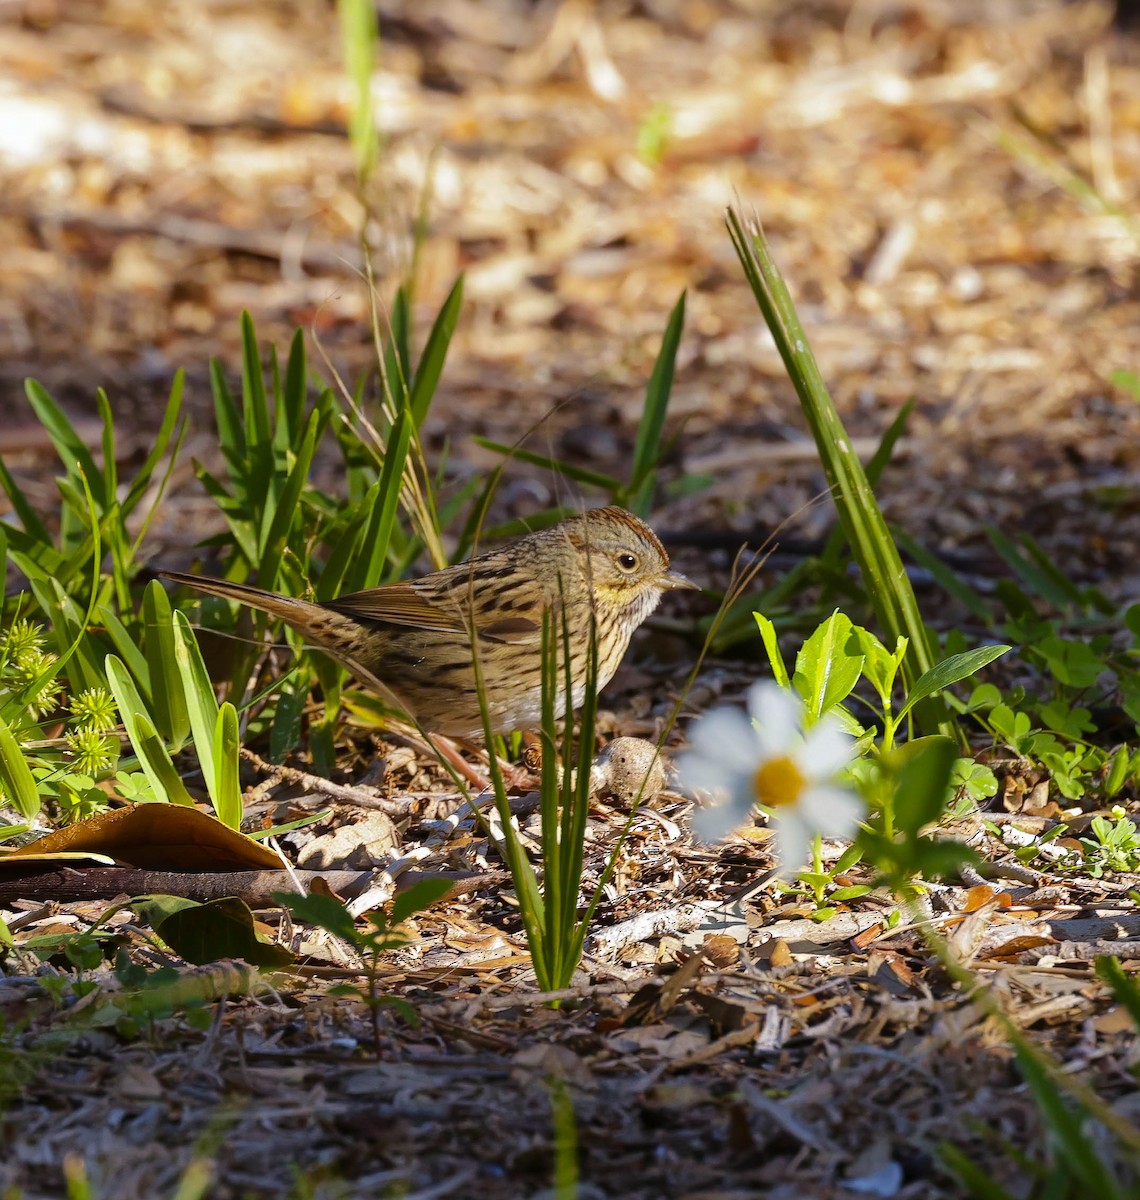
(922, 172)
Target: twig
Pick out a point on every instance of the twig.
(362, 797)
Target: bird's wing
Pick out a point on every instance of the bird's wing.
(438, 604)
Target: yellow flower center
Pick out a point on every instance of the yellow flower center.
(778, 782)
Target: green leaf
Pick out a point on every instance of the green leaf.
(255, 409)
(166, 433)
(210, 932)
(285, 510)
(920, 793)
(201, 704)
(322, 911)
(383, 519)
(34, 528)
(19, 783)
(70, 447)
(167, 696)
(292, 397)
(231, 431)
(772, 647)
(1123, 986)
(124, 645)
(416, 898)
(978, 1180)
(435, 353)
(647, 445)
(153, 757)
(359, 36)
(397, 354)
(880, 666)
(1117, 772)
(951, 670)
(826, 670)
(226, 788)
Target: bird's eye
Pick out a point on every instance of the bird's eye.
(627, 562)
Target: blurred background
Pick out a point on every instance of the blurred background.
(950, 188)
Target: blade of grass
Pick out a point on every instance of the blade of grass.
(647, 445)
(167, 695)
(359, 38)
(285, 511)
(71, 448)
(225, 786)
(34, 528)
(607, 483)
(201, 704)
(435, 353)
(888, 588)
(946, 578)
(19, 783)
(152, 754)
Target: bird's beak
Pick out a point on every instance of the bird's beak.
(674, 579)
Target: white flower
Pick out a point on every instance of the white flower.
(769, 760)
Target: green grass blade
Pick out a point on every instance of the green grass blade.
(34, 528)
(1051, 586)
(152, 754)
(110, 467)
(166, 434)
(19, 783)
(1123, 986)
(435, 352)
(201, 704)
(231, 431)
(293, 394)
(286, 731)
(225, 786)
(383, 518)
(255, 405)
(1066, 1124)
(647, 446)
(167, 695)
(979, 1183)
(398, 355)
(286, 510)
(888, 587)
(831, 557)
(124, 645)
(607, 483)
(359, 37)
(236, 511)
(72, 451)
(970, 598)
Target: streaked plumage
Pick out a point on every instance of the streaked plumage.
(412, 641)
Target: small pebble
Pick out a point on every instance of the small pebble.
(629, 767)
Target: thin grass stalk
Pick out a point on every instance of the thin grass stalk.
(888, 588)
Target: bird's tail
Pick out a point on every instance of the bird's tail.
(336, 634)
(302, 615)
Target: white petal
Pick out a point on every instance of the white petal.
(793, 843)
(726, 736)
(826, 749)
(700, 771)
(832, 811)
(713, 823)
(778, 715)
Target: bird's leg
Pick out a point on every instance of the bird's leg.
(448, 750)
(519, 778)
